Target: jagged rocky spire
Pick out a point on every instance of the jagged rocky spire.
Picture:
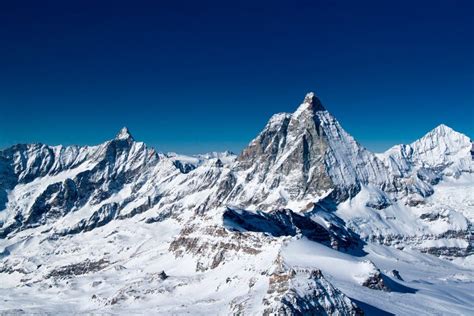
(304, 155)
(124, 134)
(312, 102)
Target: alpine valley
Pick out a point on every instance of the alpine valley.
(305, 221)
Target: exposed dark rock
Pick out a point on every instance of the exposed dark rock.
(159, 218)
(162, 275)
(379, 202)
(396, 275)
(284, 223)
(212, 250)
(80, 268)
(449, 252)
(429, 175)
(218, 163)
(414, 201)
(183, 166)
(432, 216)
(99, 218)
(376, 282)
(285, 295)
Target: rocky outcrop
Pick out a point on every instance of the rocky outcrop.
(441, 152)
(286, 223)
(294, 292)
(213, 245)
(300, 157)
(80, 268)
(375, 282)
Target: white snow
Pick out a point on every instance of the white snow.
(212, 270)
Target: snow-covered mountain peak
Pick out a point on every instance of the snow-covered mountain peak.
(310, 103)
(441, 143)
(442, 128)
(443, 151)
(301, 157)
(444, 135)
(124, 134)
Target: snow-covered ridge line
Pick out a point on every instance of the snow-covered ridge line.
(294, 162)
(442, 149)
(120, 226)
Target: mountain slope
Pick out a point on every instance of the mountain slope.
(442, 151)
(304, 220)
(300, 158)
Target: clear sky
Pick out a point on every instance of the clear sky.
(198, 76)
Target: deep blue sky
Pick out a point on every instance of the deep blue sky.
(196, 76)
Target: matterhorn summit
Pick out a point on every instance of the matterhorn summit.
(303, 156)
(124, 134)
(311, 102)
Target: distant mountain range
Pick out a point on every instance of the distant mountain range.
(305, 221)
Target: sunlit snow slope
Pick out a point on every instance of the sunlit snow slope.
(305, 221)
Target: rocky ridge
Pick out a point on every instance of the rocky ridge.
(302, 177)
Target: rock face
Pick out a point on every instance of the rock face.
(442, 151)
(305, 293)
(218, 222)
(287, 223)
(301, 157)
(375, 281)
(78, 269)
(47, 183)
